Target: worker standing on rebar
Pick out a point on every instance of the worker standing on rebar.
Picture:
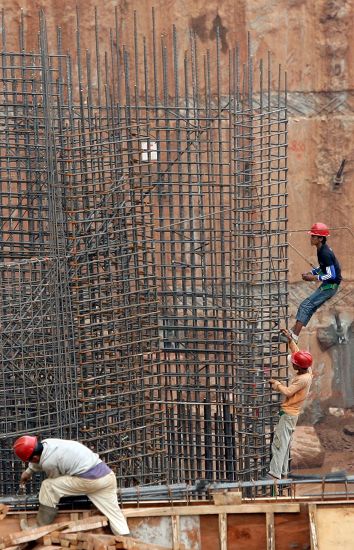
(328, 273)
(71, 469)
(295, 395)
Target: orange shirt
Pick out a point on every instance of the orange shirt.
(295, 393)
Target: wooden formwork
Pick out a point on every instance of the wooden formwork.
(257, 525)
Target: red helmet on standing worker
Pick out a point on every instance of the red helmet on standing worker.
(24, 447)
(302, 359)
(319, 229)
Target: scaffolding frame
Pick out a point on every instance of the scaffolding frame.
(144, 244)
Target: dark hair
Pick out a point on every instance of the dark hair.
(324, 240)
(37, 450)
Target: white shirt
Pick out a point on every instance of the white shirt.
(62, 457)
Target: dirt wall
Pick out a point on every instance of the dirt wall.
(313, 40)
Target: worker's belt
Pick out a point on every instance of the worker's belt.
(327, 286)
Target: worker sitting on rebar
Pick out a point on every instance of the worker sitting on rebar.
(71, 469)
(296, 394)
(328, 273)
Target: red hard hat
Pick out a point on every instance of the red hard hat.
(24, 447)
(302, 359)
(319, 229)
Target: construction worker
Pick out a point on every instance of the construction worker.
(295, 395)
(328, 273)
(71, 469)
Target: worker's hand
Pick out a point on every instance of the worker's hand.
(25, 477)
(308, 277)
(274, 383)
(286, 333)
(21, 489)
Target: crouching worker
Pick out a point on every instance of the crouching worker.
(71, 469)
(295, 395)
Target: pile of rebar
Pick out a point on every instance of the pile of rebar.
(144, 256)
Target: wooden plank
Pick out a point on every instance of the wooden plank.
(176, 534)
(291, 530)
(243, 533)
(211, 509)
(227, 497)
(335, 527)
(29, 535)
(270, 531)
(65, 543)
(86, 524)
(223, 531)
(47, 541)
(68, 536)
(32, 534)
(313, 529)
(52, 538)
(96, 541)
(129, 543)
(3, 511)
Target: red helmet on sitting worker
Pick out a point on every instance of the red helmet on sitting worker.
(302, 359)
(319, 229)
(24, 447)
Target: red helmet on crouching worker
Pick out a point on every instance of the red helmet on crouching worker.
(24, 447)
(319, 229)
(302, 359)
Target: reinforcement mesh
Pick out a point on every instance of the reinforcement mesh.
(143, 237)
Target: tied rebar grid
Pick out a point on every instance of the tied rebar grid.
(155, 199)
(222, 260)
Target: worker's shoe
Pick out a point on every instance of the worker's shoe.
(283, 338)
(45, 516)
(271, 489)
(269, 476)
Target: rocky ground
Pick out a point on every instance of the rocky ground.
(336, 434)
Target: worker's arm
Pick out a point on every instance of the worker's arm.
(298, 384)
(289, 391)
(28, 473)
(330, 273)
(309, 277)
(319, 276)
(33, 468)
(292, 345)
(25, 476)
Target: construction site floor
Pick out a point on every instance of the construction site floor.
(267, 524)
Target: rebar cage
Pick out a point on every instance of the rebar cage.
(144, 255)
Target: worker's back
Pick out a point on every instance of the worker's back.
(63, 457)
